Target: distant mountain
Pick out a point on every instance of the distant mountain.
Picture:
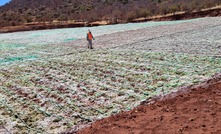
(18, 12)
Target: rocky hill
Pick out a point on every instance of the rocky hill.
(18, 12)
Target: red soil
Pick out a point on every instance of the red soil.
(193, 110)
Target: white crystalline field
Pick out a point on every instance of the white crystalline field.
(50, 82)
(63, 35)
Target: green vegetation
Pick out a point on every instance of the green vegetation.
(48, 86)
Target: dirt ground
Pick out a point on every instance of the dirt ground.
(195, 110)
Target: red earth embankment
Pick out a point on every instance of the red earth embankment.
(184, 15)
(196, 110)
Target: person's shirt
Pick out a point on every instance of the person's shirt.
(89, 36)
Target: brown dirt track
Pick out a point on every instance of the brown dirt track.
(192, 110)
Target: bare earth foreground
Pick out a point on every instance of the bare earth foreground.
(195, 110)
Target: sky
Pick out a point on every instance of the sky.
(2, 2)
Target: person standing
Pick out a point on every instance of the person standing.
(89, 39)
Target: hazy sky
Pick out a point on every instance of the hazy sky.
(2, 2)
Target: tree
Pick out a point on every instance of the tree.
(130, 16)
(173, 9)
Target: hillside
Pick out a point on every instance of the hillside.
(18, 12)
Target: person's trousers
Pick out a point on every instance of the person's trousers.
(90, 44)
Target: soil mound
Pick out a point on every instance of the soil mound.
(196, 109)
